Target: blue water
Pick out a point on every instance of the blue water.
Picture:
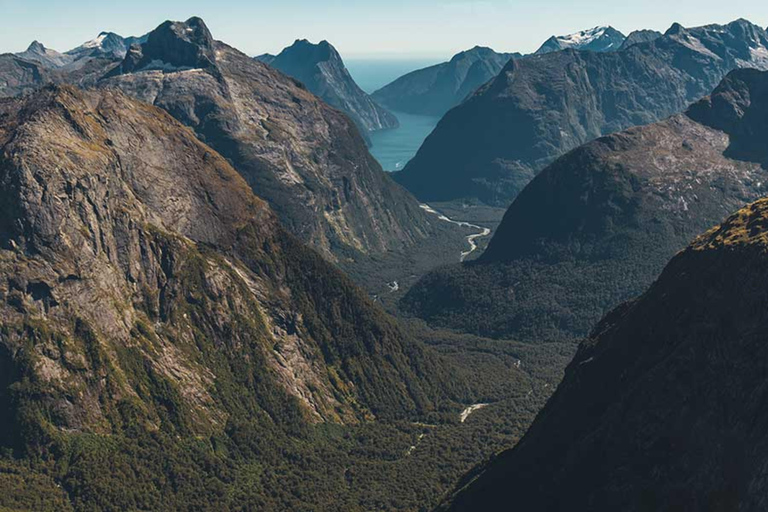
(393, 148)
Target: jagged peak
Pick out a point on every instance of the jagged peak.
(676, 28)
(309, 51)
(173, 45)
(37, 47)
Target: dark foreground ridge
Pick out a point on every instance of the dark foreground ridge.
(662, 408)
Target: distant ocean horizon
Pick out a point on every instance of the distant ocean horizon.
(393, 148)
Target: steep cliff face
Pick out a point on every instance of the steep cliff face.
(437, 89)
(320, 68)
(542, 106)
(597, 226)
(144, 283)
(662, 407)
(305, 158)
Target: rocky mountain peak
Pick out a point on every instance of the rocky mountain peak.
(37, 47)
(305, 50)
(174, 45)
(640, 36)
(598, 39)
(321, 69)
(676, 28)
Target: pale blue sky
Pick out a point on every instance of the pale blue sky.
(415, 29)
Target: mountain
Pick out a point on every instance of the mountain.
(49, 58)
(302, 156)
(598, 39)
(542, 106)
(82, 66)
(596, 227)
(106, 44)
(320, 68)
(18, 76)
(156, 317)
(662, 408)
(640, 36)
(437, 89)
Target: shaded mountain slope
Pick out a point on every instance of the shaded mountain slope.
(306, 159)
(320, 68)
(663, 406)
(18, 76)
(542, 106)
(437, 89)
(597, 226)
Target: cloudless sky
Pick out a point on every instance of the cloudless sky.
(402, 29)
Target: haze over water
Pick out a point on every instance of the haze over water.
(393, 148)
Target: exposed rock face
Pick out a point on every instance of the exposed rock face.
(542, 106)
(662, 407)
(598, 39)
(598, 225)
(437, 89)
(305, 158)
(141, 276)
(18, 76)
(320, 68)
(173, 46)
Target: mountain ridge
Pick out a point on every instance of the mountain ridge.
(542, 106)
(321, 69)
(436, 89)
(597, 226)
(597, 39)
(308, 161)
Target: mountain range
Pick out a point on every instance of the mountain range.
(320, 68)
(597, 226)
(148, 294)
(186, 231)
(541, 106)
(437, 89)
(598, 39)
(306, 159)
